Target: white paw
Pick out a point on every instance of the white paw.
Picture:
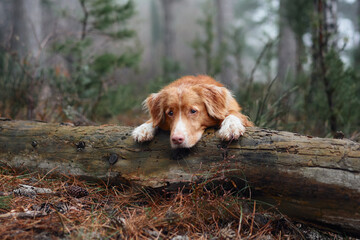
(143, 133)
(231, 128)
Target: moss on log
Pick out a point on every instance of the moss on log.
(312, 179)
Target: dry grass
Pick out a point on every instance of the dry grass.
(125, 213)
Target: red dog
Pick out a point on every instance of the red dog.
(187, 107)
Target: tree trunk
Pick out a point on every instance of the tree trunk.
(358, 15)
(330, 24)
(25, 39)
(287, 52)
(357, 48)
(169, 33)
(26, 19)
(312, 179)
(324, 40)
(5, 28)
(224, 17)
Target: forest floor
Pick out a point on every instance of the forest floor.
(67, 208)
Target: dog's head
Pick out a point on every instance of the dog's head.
(187, 111)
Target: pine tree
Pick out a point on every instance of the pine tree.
(333, 90)
(204, 46)
(89, 72)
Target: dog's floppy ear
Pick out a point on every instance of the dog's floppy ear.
(216, 100)
(154, 104)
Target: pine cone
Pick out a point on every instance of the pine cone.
(76, 191)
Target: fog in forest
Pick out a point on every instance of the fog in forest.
(292, 65)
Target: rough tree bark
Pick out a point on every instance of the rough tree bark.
(312, 179)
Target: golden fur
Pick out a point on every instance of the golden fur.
(187, 107)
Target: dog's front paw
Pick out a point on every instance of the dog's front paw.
(143, 133)
(231, 128)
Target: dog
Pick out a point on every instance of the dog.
(188, 106)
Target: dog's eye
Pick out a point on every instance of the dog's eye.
(192, 111)
(170, 113)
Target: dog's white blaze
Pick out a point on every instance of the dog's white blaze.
(231, 128)
(180, 129)
(144, 132)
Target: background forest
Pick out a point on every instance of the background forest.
(293, 65)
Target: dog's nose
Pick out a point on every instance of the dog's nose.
(177, 139)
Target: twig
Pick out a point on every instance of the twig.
(253, 218)
(42, 45)
(34, 32)
(258, 60)
(277, 103)
(47, 174)
(85, 19)
(5, 193)
(36, 189)
(7, 43)
(27, 214)
(61, 217)
(240, 221)
(262, 103)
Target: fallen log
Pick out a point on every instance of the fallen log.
(311, 179)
